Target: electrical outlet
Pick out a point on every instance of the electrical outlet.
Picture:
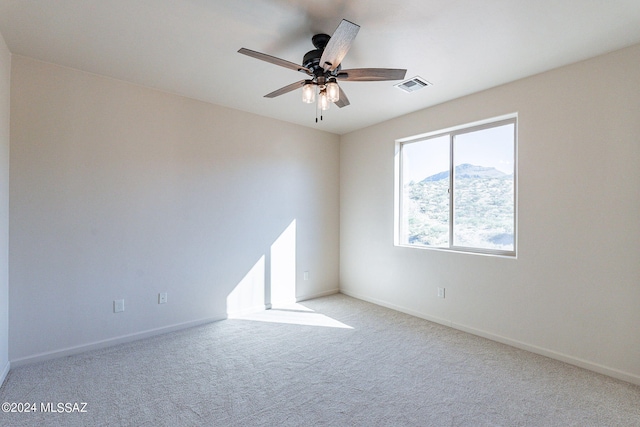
(118, 306)
(440, 292)
(162, 298)
(306, 275)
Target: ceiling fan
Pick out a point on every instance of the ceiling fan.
(323, 68)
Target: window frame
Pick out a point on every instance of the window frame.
(399, 227)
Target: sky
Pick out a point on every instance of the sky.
(491, 147)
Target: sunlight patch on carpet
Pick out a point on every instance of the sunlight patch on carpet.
(293, 314)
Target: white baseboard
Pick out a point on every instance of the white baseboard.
(397, 308)
(111, 342)
(4, 373)
(250, 310)
(40, 357)
(591, 366)
(318, 295)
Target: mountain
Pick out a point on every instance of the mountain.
(467, 170)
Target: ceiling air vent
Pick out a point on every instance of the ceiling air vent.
(413, 84)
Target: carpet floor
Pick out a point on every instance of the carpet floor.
(332, 361)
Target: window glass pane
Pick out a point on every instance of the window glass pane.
(484, 206)
(425, 192)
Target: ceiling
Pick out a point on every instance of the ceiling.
(189, 47)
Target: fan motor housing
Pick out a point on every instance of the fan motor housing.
(311, 59)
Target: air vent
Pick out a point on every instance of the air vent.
(413, 84)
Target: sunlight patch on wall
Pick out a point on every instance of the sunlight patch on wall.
(248, 295)
(283, 267)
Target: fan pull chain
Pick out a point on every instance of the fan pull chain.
(317, 105)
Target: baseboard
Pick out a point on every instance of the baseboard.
(5, 372)
(575, 361)
(41, 357)
(244, 312)
(397, 308)
(96, 345)
(317, 295)
(269, 306)
(591, 366)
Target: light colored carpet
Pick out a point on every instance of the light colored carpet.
(364, 366)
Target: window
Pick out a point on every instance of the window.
(457, 189)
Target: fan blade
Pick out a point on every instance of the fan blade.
(371, 74)
(286, 89)
(274, 60)
(338, 45)
(343, 101)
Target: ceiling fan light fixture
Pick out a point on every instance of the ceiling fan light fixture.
(309, 92)
(323, 69)
(333, 91)
(323, 100)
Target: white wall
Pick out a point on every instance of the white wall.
(119, 191)
(5, 84)
(574, 291)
